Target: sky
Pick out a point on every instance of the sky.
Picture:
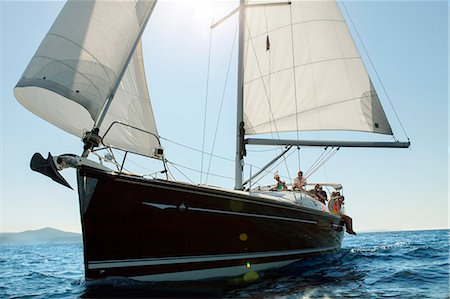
(385, 189)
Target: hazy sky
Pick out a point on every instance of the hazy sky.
(385, 189)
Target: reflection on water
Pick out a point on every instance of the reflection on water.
(393, 264)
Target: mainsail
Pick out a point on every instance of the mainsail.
(303, 72)
(78, 64)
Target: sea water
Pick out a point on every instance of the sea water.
(407, 264)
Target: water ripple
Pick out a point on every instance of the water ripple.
(371, 265)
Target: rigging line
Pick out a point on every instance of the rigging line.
(152, 175)
(287, 168)
(196, 170)
(269, 87)
(316, 161)
(114, 158)
(260, 72)
(326, 177)
(196, 150)
(269, 74)
(221, 103)
(83, 75)
(295, 83)
(83, 50)
(206, 102)
(100, 158)
(181, 172)
(136, 164)
(313, 168)
(270, 169)
(299, 23)
(325, 159)
(253, 165)
(171, 174)
(274, 167)
(373, 66)
(268, 94)
(304, 65)
(103, 159)
(265, 91)
(309, 58)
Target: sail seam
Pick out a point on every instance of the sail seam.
(293, 24)
(265, 91)
(303, 65)
(295, 85)
(264, 85)
(83, 75)
(79, 46)
(313, 78)
(375, 70)
(305, 111)
(269, 60)
(350, 82)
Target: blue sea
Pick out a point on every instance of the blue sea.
(407, 264)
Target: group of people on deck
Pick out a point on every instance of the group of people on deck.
(334, 204)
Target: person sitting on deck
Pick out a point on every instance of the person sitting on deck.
(335, 206)
(299, 182)
(281, 186)
(322, 195)
(318, 193)
(315, 191)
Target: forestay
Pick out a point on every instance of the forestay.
(302, 71)
(77, 65)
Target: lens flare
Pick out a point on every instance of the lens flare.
(243, 237)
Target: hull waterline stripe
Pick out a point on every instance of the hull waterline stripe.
(164, 206)
(212, 273)
(199, 259)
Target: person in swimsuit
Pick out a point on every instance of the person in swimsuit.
(335, 205)
(281, 186)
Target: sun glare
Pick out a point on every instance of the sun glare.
(205, 12)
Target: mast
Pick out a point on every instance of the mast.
(239, 162)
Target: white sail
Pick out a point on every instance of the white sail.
(302, 72)
(131, 106)
(79, 62)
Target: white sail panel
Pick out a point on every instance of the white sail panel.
(75, 68)
(302, 72)
(131, 106)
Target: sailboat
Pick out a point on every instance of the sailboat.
(298, 70)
